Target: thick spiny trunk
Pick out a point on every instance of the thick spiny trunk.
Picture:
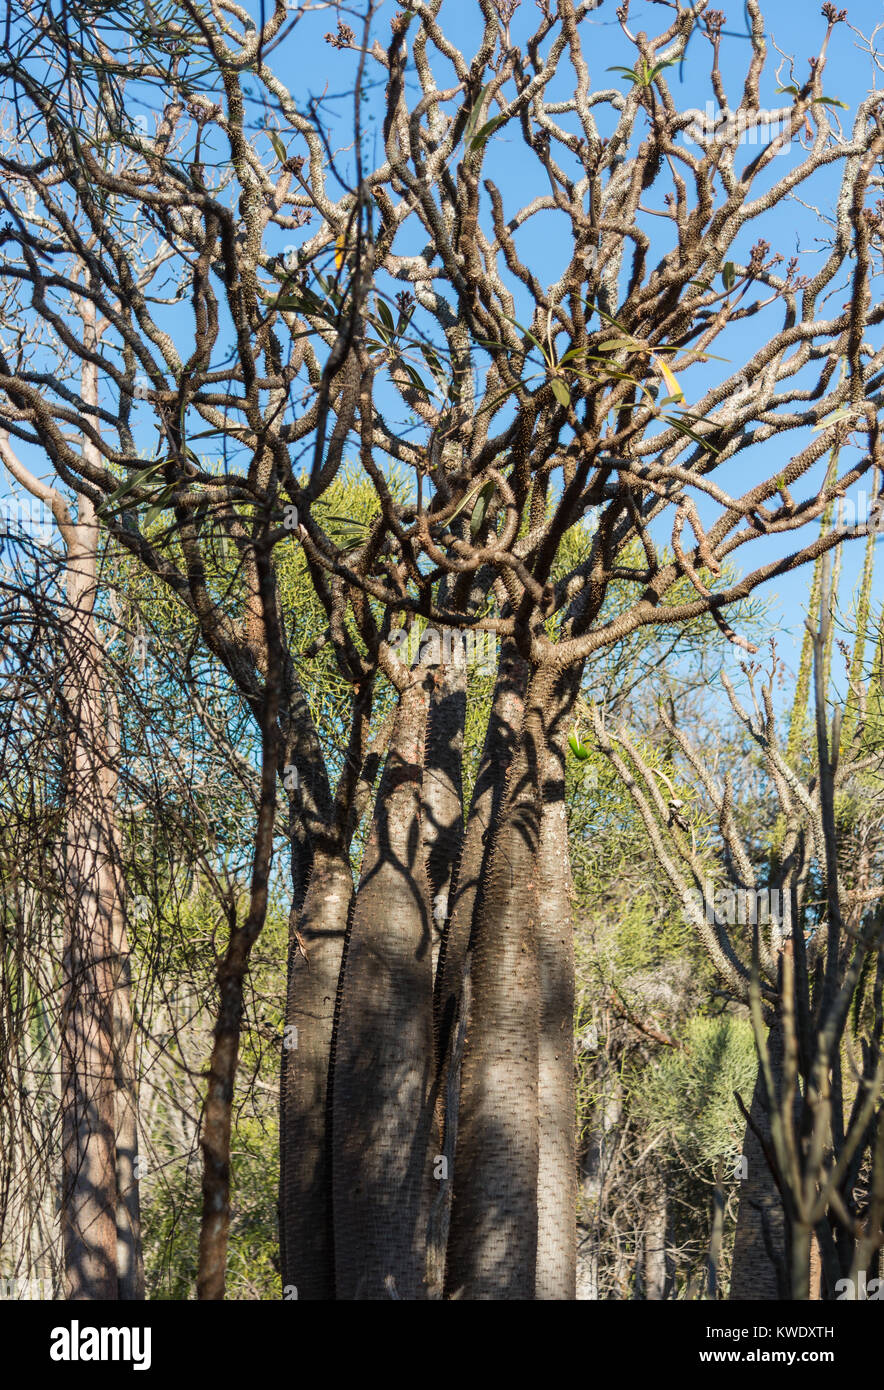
(759, 1260)
(501, 739)
(494, 1230)
(315, 954)
(557, 1104)
(382, 1117)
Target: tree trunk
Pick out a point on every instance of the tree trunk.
(557, 1102)
(493, 1243)
(655, 1243)
(382, 1109)
(130, 1262)
(759, 1261)
(318, 932)
(501, 737)
(89, 1189)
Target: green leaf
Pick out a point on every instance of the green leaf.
(137, 480)
(844, 413)
(384, 311)
(481, 507)
(463, 503)
(682, 428)
(488, 129)
(627, 72)
(612, 344)
(830, 101)
(434, 365)
(416, 379)
(404, 319)
(160, 505)
(560, 391)
(278, 147)
(578, 748)
(475, 113)
(667, 63)
(528, 334)
(729, 275)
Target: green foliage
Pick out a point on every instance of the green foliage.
(689, 1094)
(171, 1219)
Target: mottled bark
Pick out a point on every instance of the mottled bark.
(501, 739)
(318, 933)
(557, 1103)
(88, 1189)
(758, 1270)
(655, 1242)
(493, 1241)
(382, 1107)
(130, 1262)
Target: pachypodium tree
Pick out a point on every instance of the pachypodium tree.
(393, 305)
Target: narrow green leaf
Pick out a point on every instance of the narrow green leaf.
(476, 112)
(463, 503)
(434, 364)
(528, 334)
(137, 480)
(159, 506)
(478, 517)
(684, 429)
(488, 129)
(844, 413)
(627, 72)
(416, 379)
(384, 311)
(612, 344)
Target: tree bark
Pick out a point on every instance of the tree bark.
(89, 1189)
(382, 1107)
(305, 1204)
(501, 738)
(759, 1261)
(493, 1242)
(130, 1262)
(557, 1103)
(655, 1243)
